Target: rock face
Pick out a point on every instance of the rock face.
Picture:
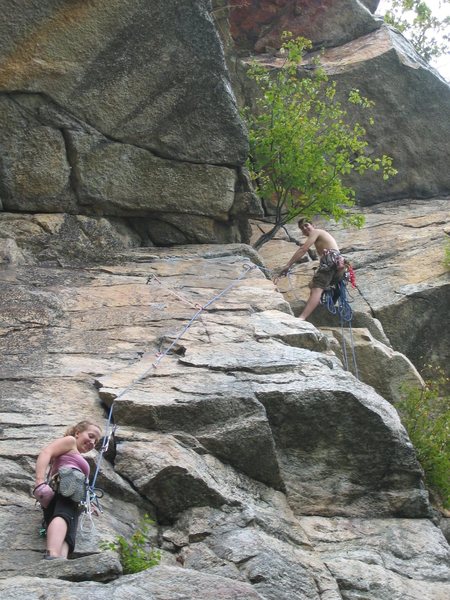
(272, 472)
(126, 111)
(400, 274)
(383, 544)
(247, 440)
(108, 66)
(122, 110)
(46, 238)
(411, 116)
(160, 583)
(258, 24)
(375, 363)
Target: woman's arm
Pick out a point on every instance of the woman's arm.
(56, 448)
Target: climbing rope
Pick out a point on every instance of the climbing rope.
(247, 268)
(337, 301)
(338, 293)
(153, 277)
(289, 273)
(291, 287)
(93, 493)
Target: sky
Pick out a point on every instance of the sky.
(442, 9)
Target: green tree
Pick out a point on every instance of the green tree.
(429, 34)
(302, 141)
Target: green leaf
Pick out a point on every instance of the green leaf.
(302, 142)
(135, 554)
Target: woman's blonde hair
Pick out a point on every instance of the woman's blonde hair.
(82, 426)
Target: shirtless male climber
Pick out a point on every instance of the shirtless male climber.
(331, 263)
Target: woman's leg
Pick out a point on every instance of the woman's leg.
(56, 533)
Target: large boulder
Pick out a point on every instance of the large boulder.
(362, 474)
(149, 75)
(123, 110)
(411, 119)
(258, 25)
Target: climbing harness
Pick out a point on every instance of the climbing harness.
(336, 294)
(91, 502)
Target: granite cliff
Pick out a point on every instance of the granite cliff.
(271, 470)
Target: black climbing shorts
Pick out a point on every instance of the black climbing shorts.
(69, 511)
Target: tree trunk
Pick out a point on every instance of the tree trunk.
(265, 237)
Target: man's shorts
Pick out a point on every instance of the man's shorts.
(323, 277)
(68, 510)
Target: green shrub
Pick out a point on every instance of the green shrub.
(135, 554)
(447, 253)
(425, 413)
